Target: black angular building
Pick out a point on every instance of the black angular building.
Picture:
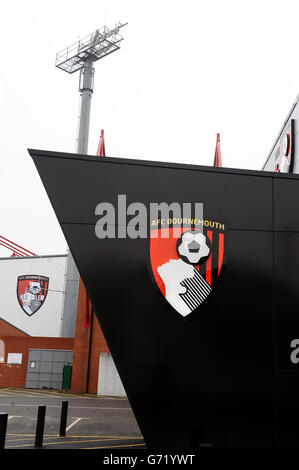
(201, 323)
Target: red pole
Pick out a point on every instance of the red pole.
(217, 158)
(15, 245)
(12, 248)
(101, 147)
(87, 313)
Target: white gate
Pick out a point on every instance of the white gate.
(109, 382)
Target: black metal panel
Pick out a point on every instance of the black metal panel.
(120, 267)
(288, 408)
(286, 294)
(214, 377)
(287, 331)
(286, 206)
(85, 182)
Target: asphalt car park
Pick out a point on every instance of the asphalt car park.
(93, 422)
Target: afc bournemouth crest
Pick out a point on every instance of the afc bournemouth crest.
(32, 291)
(187, 262)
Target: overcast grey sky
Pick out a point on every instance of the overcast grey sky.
(186, 70)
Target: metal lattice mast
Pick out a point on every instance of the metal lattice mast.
(86, 90)
(81, 57)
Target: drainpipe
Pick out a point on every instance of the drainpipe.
(89, 350)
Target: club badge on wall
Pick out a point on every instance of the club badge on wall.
(32, 292)
(285, 149)
(186, 263)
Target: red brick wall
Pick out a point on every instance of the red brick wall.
(99, 345)
(18, 342)
(82, 346)
(9, 330)
(80, 359)
(13, 375)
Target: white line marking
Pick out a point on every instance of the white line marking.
(73, 424)
(10, 417)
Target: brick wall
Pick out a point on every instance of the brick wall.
(6, 329)
(82, 346)
(98, 346)
(87, 345)
(14, 375)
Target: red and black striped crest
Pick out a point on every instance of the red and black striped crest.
(32, 292)
(186, 264)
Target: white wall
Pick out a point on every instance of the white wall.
(109, 382)
(269, 165)
(46, 321)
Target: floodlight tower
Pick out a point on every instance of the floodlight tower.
(81, 57)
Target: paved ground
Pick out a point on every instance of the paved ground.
(93, 422)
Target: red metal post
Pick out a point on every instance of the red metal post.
(101, 147)
(217, 158)
(17, 250)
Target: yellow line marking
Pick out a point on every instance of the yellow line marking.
(110, 437)
(16, 393)
(64, 442)
(29, 438)
(22, 392)
(30, 435)
(76, 437)
(41, 392)
(61, 442)
(111, 447)
(61, 394)
(106, 397)
(18, 440)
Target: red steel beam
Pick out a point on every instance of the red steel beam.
(101, 152)
(15, 247)
(11, 248)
